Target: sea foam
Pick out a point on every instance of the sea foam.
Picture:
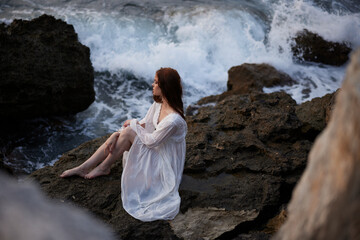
(201, 39)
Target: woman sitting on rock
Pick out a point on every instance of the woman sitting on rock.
(153, 167)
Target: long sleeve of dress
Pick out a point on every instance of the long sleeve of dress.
(149, 115)
(155, 138)
(153, 167)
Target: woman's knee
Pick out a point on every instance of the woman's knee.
(128, 134)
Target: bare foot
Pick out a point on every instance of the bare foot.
(96, 172)
(74, 171)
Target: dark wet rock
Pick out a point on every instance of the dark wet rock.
(250, 78)
(240, 127)
(26, 214)
(274, 224)
(5, 168)
(311, 47)
(253, 236)
(326, 201)
(245, 153)
(44, 69)
(100, 196)
(315, 114)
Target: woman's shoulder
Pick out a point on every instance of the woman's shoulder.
(177, 119)
(180, 125)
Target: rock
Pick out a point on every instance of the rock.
(253, 236)
(245, 153)
(101, 196)
(209, 223)
(232, 164)
(315, 114)
(26, 214)
(311, 47)
(276, 222)
(326, 201)
(44, 69)
(239, 127)
(5, 168)
(250, 78)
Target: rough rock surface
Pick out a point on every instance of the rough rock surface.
(311, 47)
(4, 167)
(248, 78)
(245, 153)
(101, 196)
(315, 114)
(44, 69)
(326, 201)
(25, 214)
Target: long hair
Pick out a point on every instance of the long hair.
(170, 85)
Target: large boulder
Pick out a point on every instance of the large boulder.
(26, 214)
(251, 78)
(245, 153)
(44, 69)
(311, 47)
(248, 78)
(326, 202)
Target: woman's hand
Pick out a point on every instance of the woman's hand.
(111, 142)
(127, 123)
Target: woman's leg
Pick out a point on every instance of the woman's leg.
(86, 166)
(123, 144)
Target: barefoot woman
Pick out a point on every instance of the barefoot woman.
(153, 168)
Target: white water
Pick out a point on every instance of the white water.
(202, 40)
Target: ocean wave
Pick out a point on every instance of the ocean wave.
(129, 41)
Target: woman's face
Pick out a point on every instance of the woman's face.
(156, 88)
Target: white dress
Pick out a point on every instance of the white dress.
(153, 167)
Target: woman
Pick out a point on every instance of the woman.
(153, 167)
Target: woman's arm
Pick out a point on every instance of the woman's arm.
(164, 130)
(149, 115)
(127, 123)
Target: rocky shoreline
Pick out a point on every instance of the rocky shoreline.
(246, 151)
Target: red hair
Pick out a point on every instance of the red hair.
(169, 82)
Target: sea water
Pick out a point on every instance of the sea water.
(130, 40)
